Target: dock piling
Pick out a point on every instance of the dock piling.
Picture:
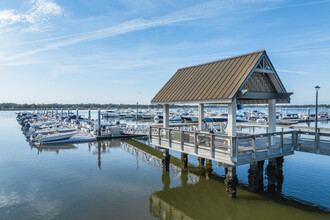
(184, 160)
(231, 181)
(166, 160)
(255, 176)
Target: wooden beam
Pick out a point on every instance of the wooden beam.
(258, 70)
(263, 95)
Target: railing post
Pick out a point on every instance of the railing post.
(181, 140)
(282, 144)
(150, 133)
(195, 143)
(212, 146)
(159, 138)
(253, 147)
(234, 149)
(269, 143)
(169, 138)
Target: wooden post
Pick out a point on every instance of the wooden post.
(181, 140)
(61, 114)
(201, 116)
(159, 137)
(150, 133)
(253, 147)
(169, 138)
(195, 143)
(272, 119)
(212, 145)
(231, 127)
(166, 160)
(282, 143)
(166, 115)
(232, 118)
(77, 115)
(68, 113)
(231, 181)
(99, 121)
(89, 115)
(184, 160)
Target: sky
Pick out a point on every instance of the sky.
(124, 51)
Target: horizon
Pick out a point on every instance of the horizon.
(123, 51)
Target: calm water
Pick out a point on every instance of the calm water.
(109, 180)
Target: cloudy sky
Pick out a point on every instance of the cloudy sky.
(123, 51)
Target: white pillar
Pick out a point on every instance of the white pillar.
(231, 126)
(99, 119)
(272, 118)
(201, 116)
(166, 115)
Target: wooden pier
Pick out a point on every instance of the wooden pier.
(245, 79)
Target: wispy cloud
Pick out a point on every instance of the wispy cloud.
(37, 15)
(199, 11)
(296, 72)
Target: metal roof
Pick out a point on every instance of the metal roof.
(212, 82)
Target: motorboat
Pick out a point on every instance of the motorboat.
(55, 137)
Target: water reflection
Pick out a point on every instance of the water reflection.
(206, 196)
(207, 199)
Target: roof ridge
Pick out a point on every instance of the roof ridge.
(229, 58)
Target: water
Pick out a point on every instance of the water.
(105, 181)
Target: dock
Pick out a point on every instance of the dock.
(246, 79)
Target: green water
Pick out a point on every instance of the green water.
(114, 180)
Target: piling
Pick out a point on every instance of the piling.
(231, 181)
(89, 115)
(166, 160)
(61, 114)
(99, 121)
(255, 176)
(201, 161)
(184, 160)
(77, 115)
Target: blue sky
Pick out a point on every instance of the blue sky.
(124, 51)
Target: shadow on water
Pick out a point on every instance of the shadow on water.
(206, 196)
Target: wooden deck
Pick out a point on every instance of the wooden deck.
(225, 149)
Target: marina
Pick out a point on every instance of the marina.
(249, 79)
(169, 110)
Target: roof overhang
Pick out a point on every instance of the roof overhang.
(263, 95)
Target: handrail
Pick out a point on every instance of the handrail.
(264, 134)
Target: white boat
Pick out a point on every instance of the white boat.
(110, 113)
(55, 137)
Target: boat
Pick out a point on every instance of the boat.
(110, 113)
(55, 137)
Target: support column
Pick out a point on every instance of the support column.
(99, 121)
(256, 176)
(184, 160)
(201, 161)
(271, 175)
(231, 126)
(201, 117)
(166, 115)
(272, 119)
(166, 160)
(231, 181)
